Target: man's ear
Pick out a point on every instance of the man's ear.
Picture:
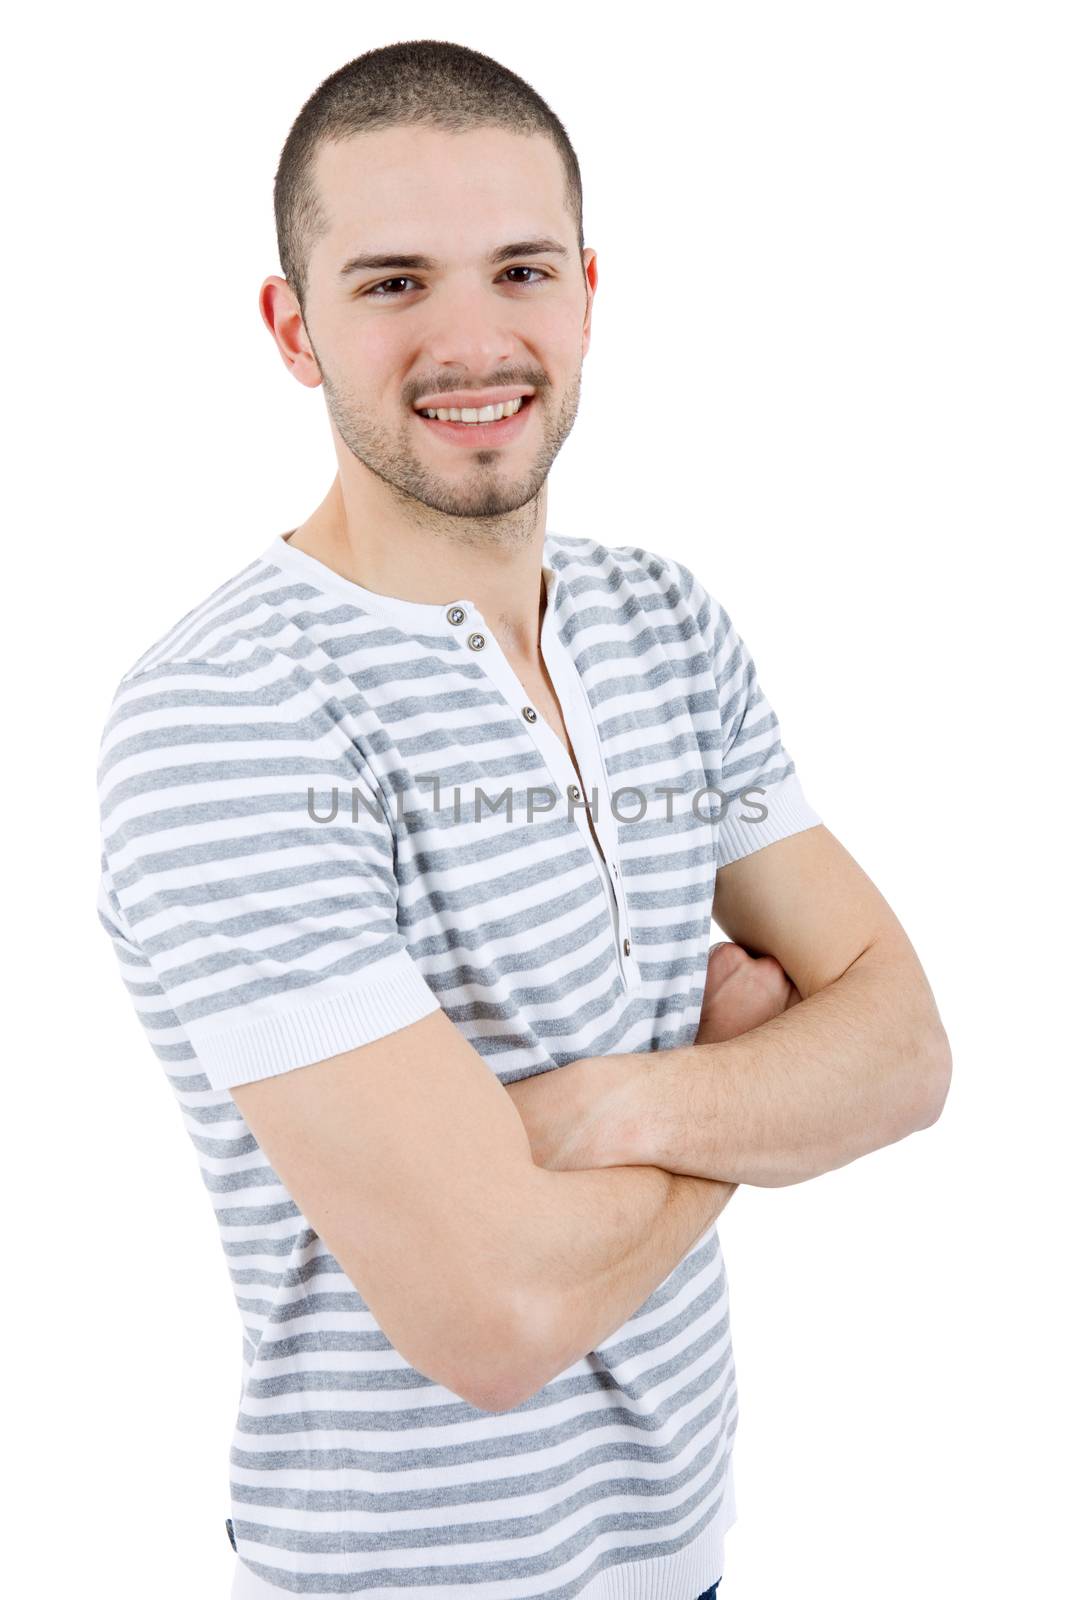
(589, 274)
(280, 310)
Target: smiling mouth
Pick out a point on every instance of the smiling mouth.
(508, 408)
(497, 432)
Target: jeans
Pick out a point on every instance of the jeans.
(709, 1594)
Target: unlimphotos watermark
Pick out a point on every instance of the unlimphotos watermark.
(537, 800)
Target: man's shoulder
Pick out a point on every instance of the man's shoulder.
(625, 569)
(209, 629)
(218, 655)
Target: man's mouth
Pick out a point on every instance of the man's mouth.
(476, 416)
(484, 426)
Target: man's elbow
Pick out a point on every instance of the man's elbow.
(539, 1350)
(520, 1365)
(933, 1080)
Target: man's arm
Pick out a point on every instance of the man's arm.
(604, 1243)
(859, 1063)
(487, 1273)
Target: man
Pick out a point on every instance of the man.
(412, 834)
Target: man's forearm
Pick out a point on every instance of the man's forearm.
(857, 1065)
(604, 1241)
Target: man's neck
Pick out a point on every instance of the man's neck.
(503, 578)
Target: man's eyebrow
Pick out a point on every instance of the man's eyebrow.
(379, 260)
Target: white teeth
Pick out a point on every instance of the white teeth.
(506, 408)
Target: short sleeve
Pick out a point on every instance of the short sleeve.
(759, 796)
(247, 870)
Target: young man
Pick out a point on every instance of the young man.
(412, 836)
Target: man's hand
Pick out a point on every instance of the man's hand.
(562, 1108)
(740, 993)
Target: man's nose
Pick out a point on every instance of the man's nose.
(471, 329)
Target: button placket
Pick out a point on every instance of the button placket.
(607, 826)
(623, 912)
(554, 755)
(580, 717)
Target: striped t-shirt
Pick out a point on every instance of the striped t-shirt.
(325, 812)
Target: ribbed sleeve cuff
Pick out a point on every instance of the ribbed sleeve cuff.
(787, 812)
(387, 996)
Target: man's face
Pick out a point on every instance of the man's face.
(388, 336)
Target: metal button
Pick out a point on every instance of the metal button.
(574, 792)
(529, 713)
(626, 947)
(455, 615)
(476, 640)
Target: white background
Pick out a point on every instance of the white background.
(827, 371)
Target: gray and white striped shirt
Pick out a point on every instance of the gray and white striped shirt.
(324, 813)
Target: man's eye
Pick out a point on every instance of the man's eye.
(526, 269)
(382, 290)
(378, 287)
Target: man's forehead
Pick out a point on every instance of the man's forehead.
(377, 176)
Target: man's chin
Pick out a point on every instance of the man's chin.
(450, 501)
(480, 510)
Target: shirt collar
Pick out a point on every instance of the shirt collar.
(413, 616)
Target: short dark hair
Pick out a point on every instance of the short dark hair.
(417, 82)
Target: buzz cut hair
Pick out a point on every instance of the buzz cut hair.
(415, 83)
